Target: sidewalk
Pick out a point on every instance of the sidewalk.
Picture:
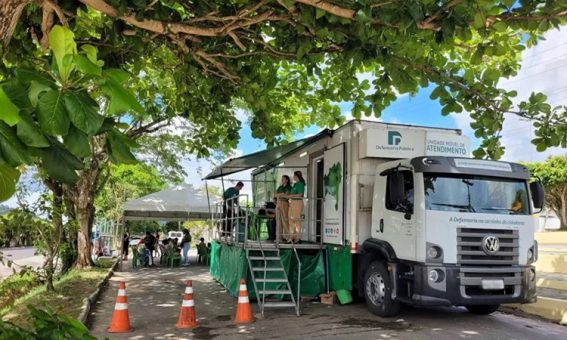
(154, 297)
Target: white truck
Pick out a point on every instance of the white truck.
(426, 224)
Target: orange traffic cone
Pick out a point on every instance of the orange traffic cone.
(120, 319)
(243, 309)
(187, 313)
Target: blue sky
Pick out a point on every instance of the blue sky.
(416, 110)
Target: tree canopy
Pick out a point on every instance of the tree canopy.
(553, 174)
(289, 63)
(126, 182)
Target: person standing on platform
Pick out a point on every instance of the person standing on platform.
(282, 214)
(296, 206)
(230, 197)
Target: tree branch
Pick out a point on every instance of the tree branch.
(440, 12)
(330, 8)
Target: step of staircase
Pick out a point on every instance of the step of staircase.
(271, 280)
(279, 304)
(275, 291)
(268, 269)
(268, 258)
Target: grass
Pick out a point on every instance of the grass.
(16, 286)
(70, 291)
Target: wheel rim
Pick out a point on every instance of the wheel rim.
(376, 289)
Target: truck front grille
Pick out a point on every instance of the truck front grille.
(471, 281)
(470, 252)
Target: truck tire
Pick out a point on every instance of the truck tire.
(482, 309)
(378, 291)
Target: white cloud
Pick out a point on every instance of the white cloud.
(543, 70)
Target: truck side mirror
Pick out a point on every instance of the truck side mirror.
(396, 187)
(538, 194)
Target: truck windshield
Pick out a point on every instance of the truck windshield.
(476, 194)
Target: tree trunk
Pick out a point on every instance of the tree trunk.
(53, 239)
(85, 217)
(82, 194)
(562, 210)
(10, 12)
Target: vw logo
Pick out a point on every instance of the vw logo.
(490, 244)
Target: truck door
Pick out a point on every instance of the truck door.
(392, 217)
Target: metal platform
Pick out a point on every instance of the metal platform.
(250, 244)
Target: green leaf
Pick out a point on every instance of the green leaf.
(18, 94)
(25, 76)
(479, 19)
(83, 112)
(52, 115)
(86, 66)
(30, 133)
(62, 43)
(120, 76)
(8, 111)
(500, 26)
(35, 90)
(77, 142)
(479, 153)
(91, 53)
(61, 164)
(491, 74)
(8, 178)
(121, 100)
(11, 148)
(118, 149)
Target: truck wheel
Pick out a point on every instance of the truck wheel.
(378, 291)
(482, 309)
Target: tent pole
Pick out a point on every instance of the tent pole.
(209, 204)
(121, 224)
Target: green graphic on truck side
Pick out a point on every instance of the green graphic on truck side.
(333, 181)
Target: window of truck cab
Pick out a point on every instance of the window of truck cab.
(476, 194)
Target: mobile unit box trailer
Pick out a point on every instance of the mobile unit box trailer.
(425, 225)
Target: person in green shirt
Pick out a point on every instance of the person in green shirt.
(282, 207)
(296, 206)
(230, 199)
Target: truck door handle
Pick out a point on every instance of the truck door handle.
(381, 225)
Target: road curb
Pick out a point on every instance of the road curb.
(87, 302)
(548, 308)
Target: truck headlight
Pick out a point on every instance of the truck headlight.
(532, 253)
(434, 252)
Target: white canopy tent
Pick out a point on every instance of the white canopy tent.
(179, 203)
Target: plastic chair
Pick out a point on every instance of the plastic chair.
(172, 259)
(136, 259)
(207, 257)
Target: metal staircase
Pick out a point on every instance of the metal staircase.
(270, 278)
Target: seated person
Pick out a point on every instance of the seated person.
(144, 252)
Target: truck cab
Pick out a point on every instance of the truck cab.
(450, 231)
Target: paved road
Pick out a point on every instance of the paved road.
(154, 297)
(21, 257)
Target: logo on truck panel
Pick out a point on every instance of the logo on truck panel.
(490, 244)
(394, 138)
